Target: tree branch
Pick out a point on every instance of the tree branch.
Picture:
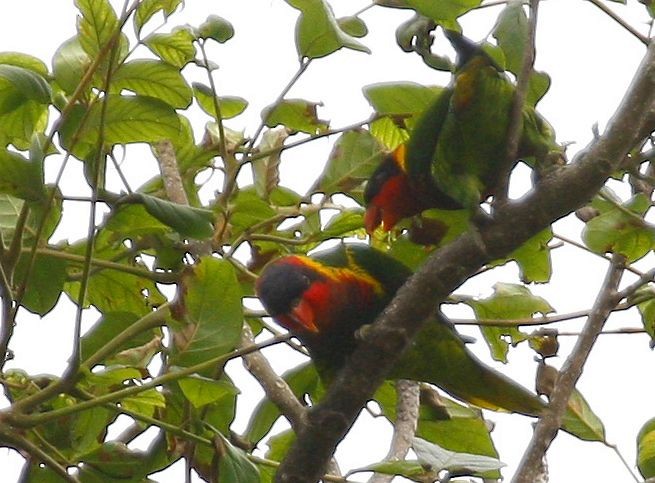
(404, 428)
(558, 194)
(551, 420)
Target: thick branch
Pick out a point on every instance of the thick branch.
(548, 425)
(276, 389)
(557, 195)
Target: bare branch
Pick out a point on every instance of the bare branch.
(551, 420)
(404, 428)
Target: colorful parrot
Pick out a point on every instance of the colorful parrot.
(325, 298)
(455, 152)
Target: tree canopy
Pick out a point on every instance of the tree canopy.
(175, 237)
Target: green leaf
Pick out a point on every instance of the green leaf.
(108, 327)
(343, 223)
(353, 159)
(25, 61)
(115, 460)
(296, 115)
(581, 421)
(389, 132)
(438, 458)
(69, 64)
(234, 466)
(132, 220)
(538, 85)
(113, 291)
(216, 28)
(400, 98)
(145, 402)
(175, 48)
(444, 12)
(248, 209)
(279, 444)
(302, 379)
(21, 178)
(445, 422)
(511, 32)
(154, 79)
(317, 31)
(508, 302)
(128, 119)
(646, 449)
(19, 85)
(187, 220)
(621, 229)
(97, 24)
(45, 283)
(201, 391)
(24, 99)
(148, 8)
(210, 309)
(533, 258)
(10, 208)
(353, 26)
(230, 106)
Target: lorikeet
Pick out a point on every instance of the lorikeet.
(324, 299)
(453, 157)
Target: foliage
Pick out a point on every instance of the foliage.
(158, 359)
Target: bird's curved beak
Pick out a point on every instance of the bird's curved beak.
(372, 218)
(303, 315)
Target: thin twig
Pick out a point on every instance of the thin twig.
(644, 40)
(548, 425)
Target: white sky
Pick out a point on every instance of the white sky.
(591, 61)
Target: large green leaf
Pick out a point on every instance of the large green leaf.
(201, 391)
(186, 220)
(353, 159)
(234, 465)
(511, 32)
(210, 312)
(25, 61)
(128, 119)
(69, 64)
(620, 228)
(106, 328)
(97, 24)
(533, 258)
(21, 178)
(24, 99)
(508, 302)
(155, 79)
(45, 283)
(400, 98)
(317, 31)
(175, 48)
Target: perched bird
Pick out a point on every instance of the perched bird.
(456, 151)
(325, 298)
